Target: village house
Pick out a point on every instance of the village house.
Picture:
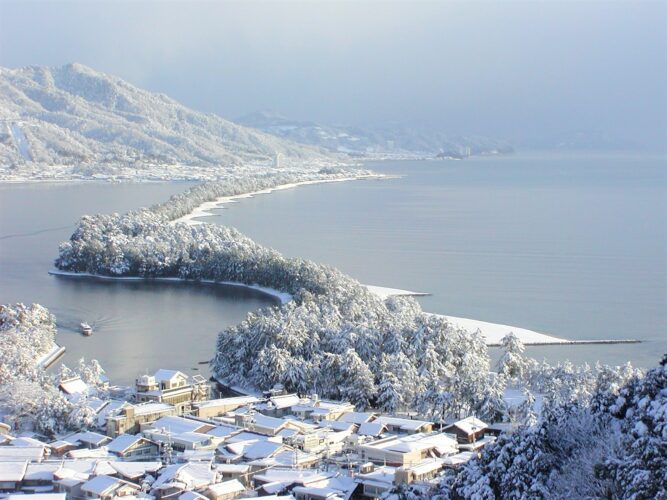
(130, 417)
(404, 425)
(108, 488)
(375, 483)
(172, 387)
(219, 407)
(467, 430)
(408, 450)
(226, 490)
(133, 447)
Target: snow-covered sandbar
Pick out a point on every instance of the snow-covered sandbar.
(283, 297)
(204, 210)
(493, 333)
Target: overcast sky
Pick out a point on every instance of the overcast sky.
(505, 69)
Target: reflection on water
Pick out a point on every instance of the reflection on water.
(575, 246)
(138, 326)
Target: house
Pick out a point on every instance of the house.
(73, 386)
(234, 471)
(408, 450)
(315, 493)
(423, 471)
(108, 488)
(467, 430)
(321, 409)
(172, 387)
(225, 490)
(130, 417)
(129, 447)
(11, 475)
(179, 478)
(404, 425)
(356, 417)
(135, 471)
(261, 424)
(22, 453)
(88, 439)
(279, 405)
(218, 407)
(374, 484)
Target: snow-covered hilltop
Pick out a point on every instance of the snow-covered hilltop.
(75, 122)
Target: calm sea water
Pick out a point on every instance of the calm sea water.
(138, 326)
(575, 246)
(572, 246)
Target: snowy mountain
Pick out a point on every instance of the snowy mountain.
(387, 141)
(73, 120)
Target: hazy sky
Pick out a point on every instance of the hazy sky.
(506, 69)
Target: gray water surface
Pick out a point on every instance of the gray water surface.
(571, 245)
(138, 326)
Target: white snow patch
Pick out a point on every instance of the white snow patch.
(493, 333)
(384, 292)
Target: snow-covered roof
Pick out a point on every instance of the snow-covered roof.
(371, 429)
(41, 472)
(458, 459)
(405, 424)
(285, 401)
(261, 449)
(382, 477)
(240, 400)
(427, 466)
(314, 492)
(192, 475)
(232, 468)
(12, 471)
(337, 425)
(99, 485)
(21, 453)
(222, 431)
(88, 437)
(269, 422)
(191, 495)
(135, 470)
(73, 386)
(356, 417)
(123, 442)
(88, 453)
(470, 425)
(163, 375)
(178, 425)
(27, 441)
(198, 455)
(227, 487)
(146, 408)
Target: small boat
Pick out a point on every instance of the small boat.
(86, 329)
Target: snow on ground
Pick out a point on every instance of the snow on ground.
(204, 210)
(384, 292)
(283, 297)
(493, 333)
(20, 140)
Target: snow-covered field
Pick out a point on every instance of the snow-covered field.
(204, 210)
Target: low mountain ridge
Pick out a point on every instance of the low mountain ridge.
(99, 124)
(389, 140)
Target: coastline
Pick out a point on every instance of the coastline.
(203, 209)
(282, 297)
